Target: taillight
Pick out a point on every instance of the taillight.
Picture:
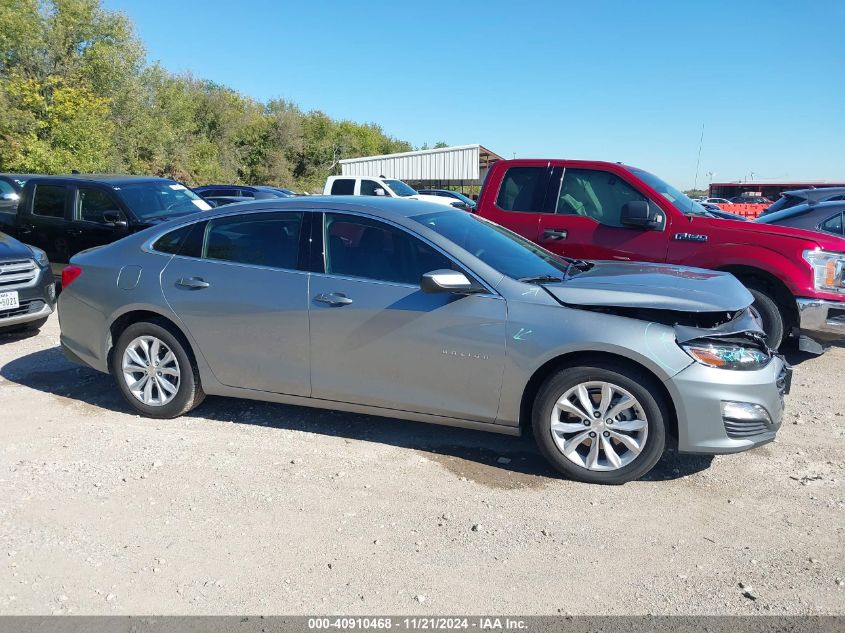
(69, 273)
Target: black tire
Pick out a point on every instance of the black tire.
(638, 383)
(770, 312)
(189, 393)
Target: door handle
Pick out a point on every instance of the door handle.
(555, 234)
(334, 299)
(192, 283)
(74, 232)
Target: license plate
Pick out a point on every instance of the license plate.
(9, 300)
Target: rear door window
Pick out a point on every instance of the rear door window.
(523, 189)
(833, 224)
(49, 201)
(343, 187)
(259, 239)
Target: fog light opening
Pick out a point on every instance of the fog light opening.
(745, 412)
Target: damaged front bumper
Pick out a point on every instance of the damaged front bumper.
(729, 410)
(725, 411)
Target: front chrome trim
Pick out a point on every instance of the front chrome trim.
(813, 316)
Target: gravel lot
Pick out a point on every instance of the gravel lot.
(245, 507)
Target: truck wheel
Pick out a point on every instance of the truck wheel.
(770, 313)
(155, 372)
(603, 423)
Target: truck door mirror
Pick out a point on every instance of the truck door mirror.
(641, 214)
(115, 218)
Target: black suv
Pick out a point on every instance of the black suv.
(66, 214)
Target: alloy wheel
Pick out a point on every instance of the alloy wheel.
(599, 426)
(151, 371)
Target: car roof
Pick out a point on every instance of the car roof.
(822, 208)
(15, 175)
(814, 195)
(376, 206)
(109, 179)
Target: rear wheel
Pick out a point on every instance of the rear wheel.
(154, 371)
(771, 314)
(603, 423)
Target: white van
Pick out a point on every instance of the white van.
(376, 186)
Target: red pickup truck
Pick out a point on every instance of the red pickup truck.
(611, 211)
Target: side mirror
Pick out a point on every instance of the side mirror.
(641, 214)
(378, 191)
(446, 281)
(115, 218)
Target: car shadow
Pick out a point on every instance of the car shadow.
(17, 335)
(488, 458)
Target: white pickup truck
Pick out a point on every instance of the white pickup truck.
(377, 186)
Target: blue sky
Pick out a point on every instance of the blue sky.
(627, 81)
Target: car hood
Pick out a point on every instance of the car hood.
(422, 197)
(655, 286)
(10, 248)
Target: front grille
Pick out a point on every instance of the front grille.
(26, 307)
(17, 273)
(738, 429)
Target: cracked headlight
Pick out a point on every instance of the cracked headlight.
(727, 355)
(828, 270)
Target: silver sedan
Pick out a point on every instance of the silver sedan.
(410, 310)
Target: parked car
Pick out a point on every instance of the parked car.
(717, 200)
(422, 312)
(750, 200)
(258, 192)
(821, 216)
(10, 190)
(599, 210)
(27, 287)
(469, 203)
(789, 199)
(714, 211)
(372, 186)
(63, 215)
(219, 201)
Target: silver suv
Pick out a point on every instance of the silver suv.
(418, 311)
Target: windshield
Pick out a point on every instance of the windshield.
(681, 201)
(400, 188)
(497, 247)
(153, 200)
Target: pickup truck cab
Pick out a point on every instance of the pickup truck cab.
(378, 186)
(610, 211)
(64, 215)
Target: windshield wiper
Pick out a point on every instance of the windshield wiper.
(538, 279)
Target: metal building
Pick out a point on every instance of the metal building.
(459, 166)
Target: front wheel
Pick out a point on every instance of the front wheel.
(773, 322)
(602, 424)
(154, 371)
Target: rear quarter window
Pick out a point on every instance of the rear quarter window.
(343, 187)
(185, 241)
(523, 189)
